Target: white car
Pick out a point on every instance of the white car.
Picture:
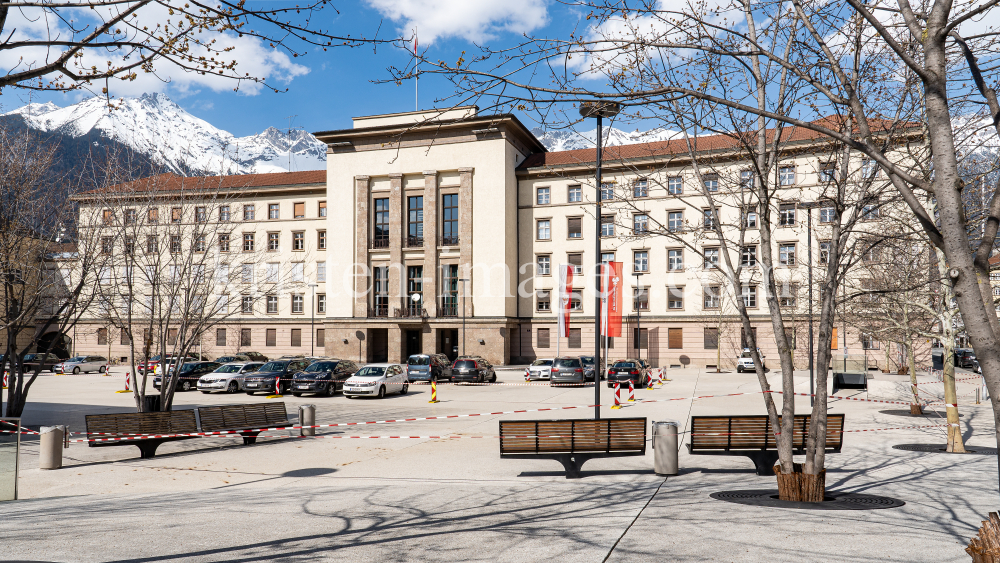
(377, 380)
(228, 377)
(539, 369)
(745, 361)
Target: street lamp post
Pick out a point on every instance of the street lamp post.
(463, 280)
(312, 321)
(600, 110)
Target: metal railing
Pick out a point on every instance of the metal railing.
(380, 242)
(410, 313)
(378, 311)
(414, 241)
(450, 240)
(447, 309)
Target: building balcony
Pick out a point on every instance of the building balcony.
(410, 313)
(447, 309)
(414, 241)
(380, 242)
(378, 311)
(449, 240)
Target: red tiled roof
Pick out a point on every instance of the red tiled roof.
(168, 182)
(679, 146)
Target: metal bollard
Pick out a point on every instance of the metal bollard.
(52, 440)
(665, 447)
(307, 417)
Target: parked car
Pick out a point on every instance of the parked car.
(745, 361)
(324, 377)
(589, 368)
(234, 358)
(169, 364)
(255, 356)
(274, 376)
(473, 369)
(964, 357)
(539, 369)
(47, 361)
(190, 373)
(976, 367)
(423, 367)
(632, 370)
(148, 365)
(227, 377)
(567, 370)
(84, 364)
(378, 380)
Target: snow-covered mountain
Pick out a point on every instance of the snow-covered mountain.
(155, 126)
(567, 140)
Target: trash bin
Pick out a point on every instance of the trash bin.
(51, 442)
(665, 447)
(307, 417)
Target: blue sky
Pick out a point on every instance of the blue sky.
(326, 89)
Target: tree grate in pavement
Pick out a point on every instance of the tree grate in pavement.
(942, 449)
(834, 500)
(928, 413)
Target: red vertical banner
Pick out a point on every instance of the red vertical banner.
(565, 302)
(613, 296)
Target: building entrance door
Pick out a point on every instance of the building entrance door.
(413, 343)
(378, 347)
(448, 342)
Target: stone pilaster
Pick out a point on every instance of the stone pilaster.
(430, 242)
(361, 235)
(465, 234)
(395, 344)
(397, 228)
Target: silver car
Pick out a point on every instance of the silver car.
(377, 380)
(227, 377)
(84, 364)
(539, 369)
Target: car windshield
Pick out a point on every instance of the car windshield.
(624, 365)
(228, 369)
(568, 363)
(467, 364)
(274, 366)
(321, 366)
(542, 363)
(746, 355)
(76, 359)
(589, 360)
(370, 372)
(419, 361)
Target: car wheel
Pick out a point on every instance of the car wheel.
(233, 387)
(404, 389)
(381, 392)
(278, 389)
(494, 378)
(185, 385)
(296, 394)
(331, 389)
(76, 370)
(101, 369)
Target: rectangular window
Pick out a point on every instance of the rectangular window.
(640, 298)
(200, 245)
(130, 216)
(296, 337)
(380, 225)
(543, 230)
(675, 185)
(321, 240)
(828, 172)
(298, 241)
(827, 214)
(273, 242)
(102, 337)
(576, 301)
(271, 270)
(640, 188)
(711, 258)
(543, 265)
(320, 272)
(607, 257)
(380, 290)
(107, 245)
(787, 293)
(748, 257)
(220, 337)
(868, 168)
(245, 337)
(713, 296)
(298, 304)
(675, 221)
(709, 219)
(575, 260)
(415, 221)
(246, 305)
(271, 337)
(640, 224)
(175, 244)
(248, 212)
(176, 214)
(273, 211)
(786, 254)
(824, 252)
(223, 213)
(607, 226)
(320, 303)
(248, 242)
(640, 338)
(870, 212)
(868, 342)
(449, 220)
(222, 274)
(575, 337)
(786, 176)
(153, 215)
(675, 338)
(749, 295)
(711, 182)
(574, 227)
(129, 245)
(675, 298)
(640, 261)
(607, 191)
(123, 338)
(575, 194)
(172, 336)
(272, 304)
(543, 301)
(414, 284)
(750, 218)
(711, 338)
(543, 338)
(298, 272)
(786, 214)
(298, 210)
(200, 214)
(675, 259)
(322, 209)
(151, 245)
(542, 196)
(224, 242)
(746, 179)
(246, 274)
(449, 290)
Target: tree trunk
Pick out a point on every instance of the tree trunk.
(955, 440)
(799, 486)
(915, 407)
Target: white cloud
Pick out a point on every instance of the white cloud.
(473, 20)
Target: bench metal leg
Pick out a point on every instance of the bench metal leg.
(764, 461)
(249, 438)
(147, 448)
(572, 463)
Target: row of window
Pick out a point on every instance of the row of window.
(224, 213)
(711, 298)
(196, 273)
(415, 221)
(223, 241)
(222, 337)
(675, 339)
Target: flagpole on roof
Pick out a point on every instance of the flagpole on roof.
(416, 73)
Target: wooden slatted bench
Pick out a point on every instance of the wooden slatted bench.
(753, 437)
(243, 418)
(124, 425)
(572, 442)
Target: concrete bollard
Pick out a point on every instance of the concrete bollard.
(307, 417)
(665, 447)
(52, 439)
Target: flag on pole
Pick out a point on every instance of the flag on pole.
(611, 279)
(565, 291)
